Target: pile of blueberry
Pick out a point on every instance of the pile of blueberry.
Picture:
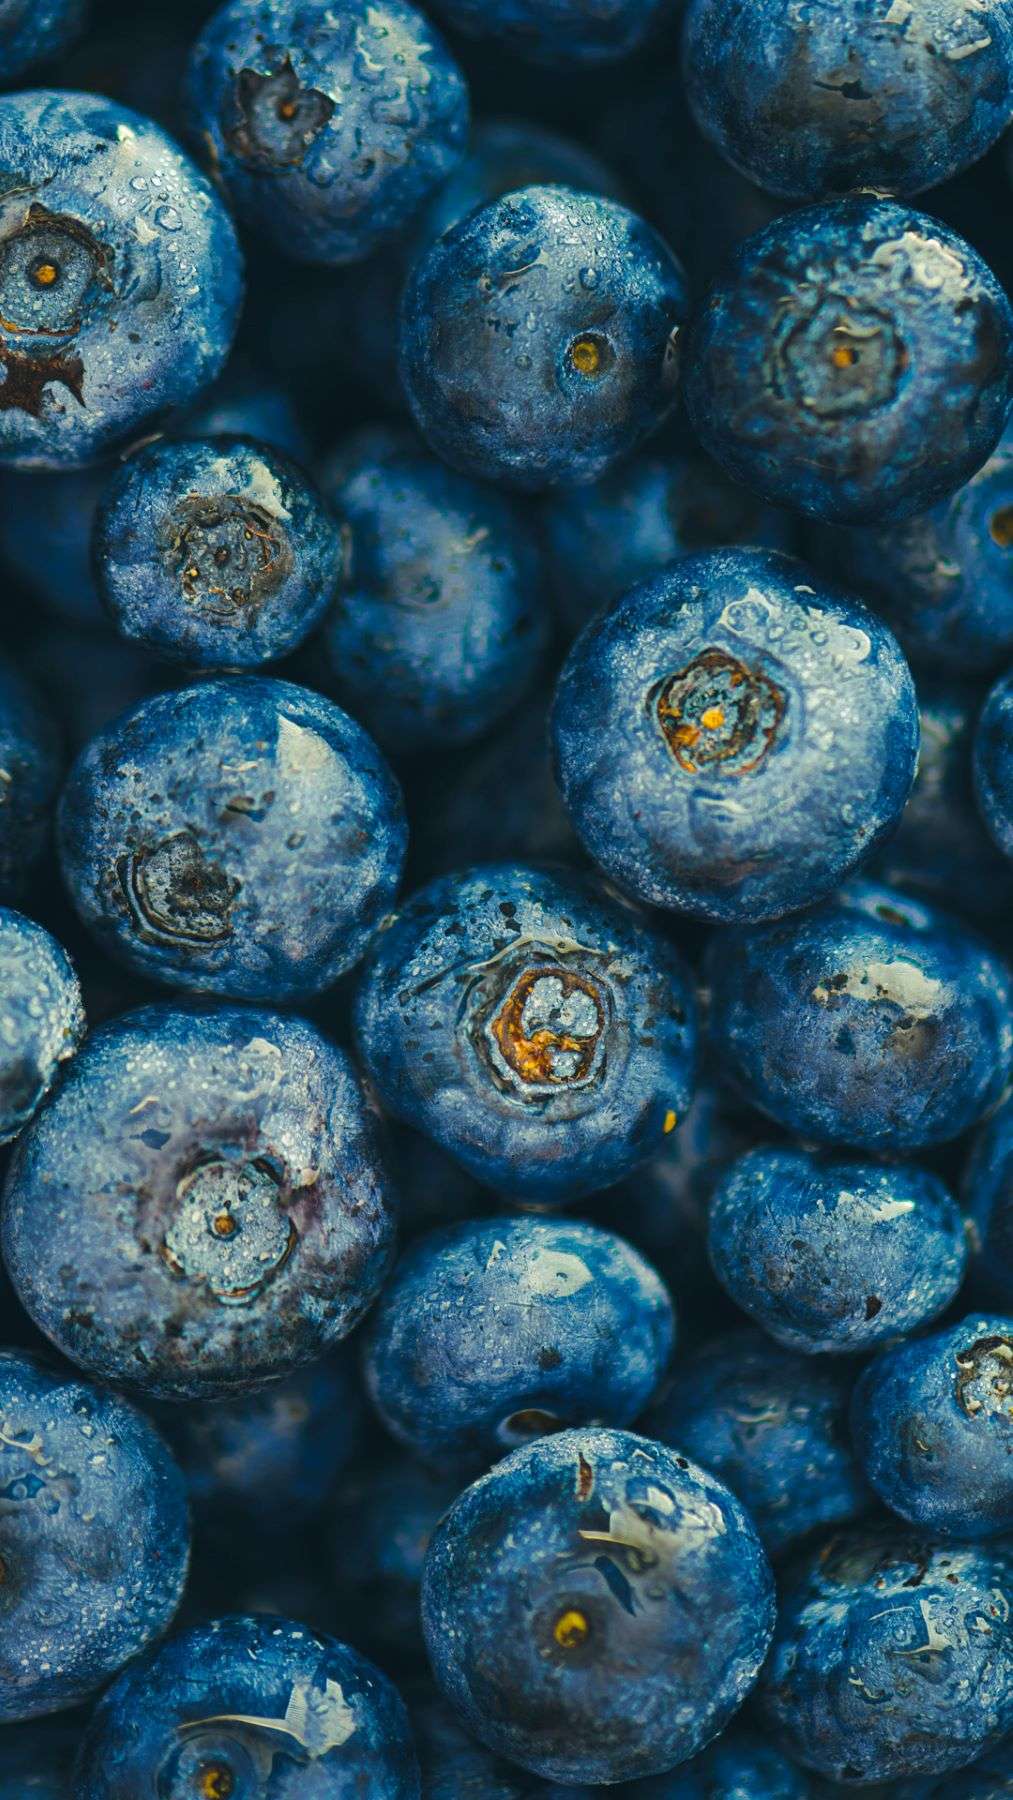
(506, 882)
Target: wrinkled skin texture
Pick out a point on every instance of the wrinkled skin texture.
(559, 33)
(496, 1331)
(892, 1656)
(562, 1600)
(993, 764)
(33, 31)
(94, 1536)
(41, 1018)
(730, 740)
(538, 337)
(835, 1256)
(286, 1713)
(120, 278)
(242, 836)
(854, 362)
(383, 1519)
(873, 1021)
(217, 553)
(604, 539)
(988, 1197)
(440, 624)
(31, 764)
(944, 579)
(933, 1426)
(201, 1207)
(815, 99)
(542, 1035)
(329, 125)
(773, 1426)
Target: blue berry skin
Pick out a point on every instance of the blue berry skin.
(31, 764)
(218, 553)
(835, 1256)
(773, 1426)
(892, 1657)
(561, 34)
(495, 1331)
(538, 337)
(562, 1600)
(993, 764)
(440, 624)
(933, 1428)
(329, 125)
(503, 155)
(988, 1198)
(944, 579)
(854, 362)
(538, 1032)
(264, 1704)
(731, 740)
(455, 1767)
(96, 1536)
(41, 1017)
(815, 101)
(383, 1521)
(739, 1765)
(36, 1759)
(34, 31)
(120, 278)
(242, 836)
(201, 1206)
(872, 1021)
(642, 516)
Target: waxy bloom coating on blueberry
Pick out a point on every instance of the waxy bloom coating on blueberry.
(218, 553)
(872, 1021)
(32, 31)
(535, 1029)
(892, 1656)
(993, 764)
(244, 1707)
(243, 836)
(731, 739)
(835, 1255)
(817, 100)
(120, 277)
(41, 1017)
(933, 1426)
(440, 623)
(30, 770)
(94, 1536)
(562, 1606)
(201, 1206)
(330, 122)
(771, 1424)
(854, 362)
(560, 33)
(539, 337)
(496, 1331)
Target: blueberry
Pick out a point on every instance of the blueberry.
(773, 1426)
(988, 1196)
(242, 836)
(639, 518)
(563, 34)
(993, 763)
(120, 277)
(835, 1256)
(201, 1207)
(329, 125)
(33, 31)
(872, 1021)
(456, 1767)
(243, 1706)
(96, 1536)
(731, 740)
(562, 1605)
(933, 1426)
(538, 337)
(542, 1035)
(893, 1656)
(215, 552)
(817, 100)
(855, 362)
(496, 1331)
(944, 579)
(739, 1765)
(506, 154)
(382, 1523)
(440, 623)
(41, 1017)
(29, 778)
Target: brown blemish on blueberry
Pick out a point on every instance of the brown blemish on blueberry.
(988, 1364)
(26, 379)
(571, 1630)
(717, 715)
(1000, 527)
(549, 1052)
(585, 1478)
(176, 894)
(873, 1305)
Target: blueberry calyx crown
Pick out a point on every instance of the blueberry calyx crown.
(278, 119)
(230, 556)
(539, 1024)
(176, 895)
(718, 715)
(231, 1231)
